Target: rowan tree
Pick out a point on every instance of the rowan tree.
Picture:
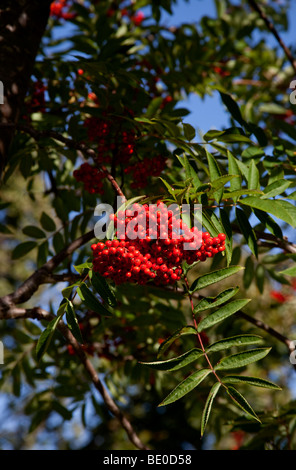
(134, 341)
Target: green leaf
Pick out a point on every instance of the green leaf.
(185, 330)
(42, 253)
(242, 379)
(220, 182)
(153, 107)
(58, 242)
(249, 272)
(80, 268)
(67, 291)
(215, 173)
(220, 315)
(233, 108)
(272, 108)
(73, 322)
(283, 210)
(102, 287)
(90, 300)
(22, 249)
(170, 189)
(189, 131)
(176, 363)
(208, 406)
(186, 386)
(227, 229)
(233, 169)
(34, 232)
(242, 192)
(253, 152)
(242, 402)
(211, 302)
(213, 277)
(235, 361)
(244, 169)
(276, 188)
(253, 176)
(269, 223)
(46, 336)
(234, 341)
(189, 170)
(289, 271)
(247, 231)
(47, 222)
(260, 277)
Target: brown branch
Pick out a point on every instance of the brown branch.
(284, 243)
(273, 30)
(43, 274)
(275, 242)
(263, 326)
(109, 402)
(22, 25)
(41, 314)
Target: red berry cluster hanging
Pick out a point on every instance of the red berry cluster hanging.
(91, 177)
(158, 251)
(36, 102)
(141, 171)
(113, 141)
(59, 9)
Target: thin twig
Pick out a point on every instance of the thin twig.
(41, 314)
(273, 30)
(199, 335)
(43, 274)
(258, 323)
(70, 143)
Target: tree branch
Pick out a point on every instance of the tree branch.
(42, 275)
(263, 326)
(70, 143)
(41, 314)
(22, 25)
(276, 242)
(273, 30)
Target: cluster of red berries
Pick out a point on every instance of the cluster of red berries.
(166, 100)
(111, 139)
(136, 18)
(59, 9)
(91, 177)
(141, 254)
(37, 101)
(142, 170)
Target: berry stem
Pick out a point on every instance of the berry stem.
(199, 336)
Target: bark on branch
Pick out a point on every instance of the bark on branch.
(273, 30)
(42, 275)
(22, 25)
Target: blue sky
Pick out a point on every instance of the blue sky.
(207, 113)
(211, 108)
